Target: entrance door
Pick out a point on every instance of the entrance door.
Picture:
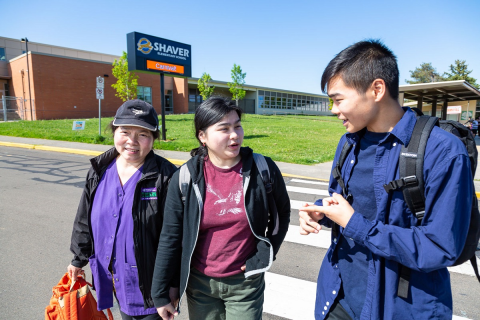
(168, 103)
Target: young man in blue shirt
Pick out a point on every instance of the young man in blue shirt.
(378, 234)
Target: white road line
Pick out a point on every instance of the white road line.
(293, 298)
(308, 191)
(295, 204)
(310, 182)
(464, 268)
(319, 240)
(289, 297)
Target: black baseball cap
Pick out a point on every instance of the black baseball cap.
(136, 113)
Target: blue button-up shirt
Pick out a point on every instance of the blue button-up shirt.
(112, 227)
(393, 237)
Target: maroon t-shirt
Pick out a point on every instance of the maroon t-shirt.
(225, 239)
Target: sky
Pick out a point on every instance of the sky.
(279, 44)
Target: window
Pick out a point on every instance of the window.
(261, 101)
(144, 93)
(2, 54)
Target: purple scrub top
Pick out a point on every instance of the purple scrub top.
(112, 227)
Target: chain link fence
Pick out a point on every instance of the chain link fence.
(16, 108)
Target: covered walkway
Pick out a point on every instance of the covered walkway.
(442, 94)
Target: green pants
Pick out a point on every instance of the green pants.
(230, 298)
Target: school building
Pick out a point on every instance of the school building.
(52, 82)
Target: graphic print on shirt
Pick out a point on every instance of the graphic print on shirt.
(227, 204)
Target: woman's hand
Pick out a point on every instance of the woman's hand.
(73, 272)
(174, 294)
(167, 312)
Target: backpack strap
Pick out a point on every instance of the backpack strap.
(411, 182)
(337, 175)
(411, 167)
(337, 171)
(264, 171)
(183, 181)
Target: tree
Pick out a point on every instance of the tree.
(205, 90)
(460, 71)
(425, 73)
(126, 85)
(236, 86)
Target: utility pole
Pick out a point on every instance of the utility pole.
(28, 70)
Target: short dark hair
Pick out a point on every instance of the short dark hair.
(360, 64)
(112, 128)
(208, 113)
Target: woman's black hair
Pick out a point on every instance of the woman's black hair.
(208, 113)
(111, 127)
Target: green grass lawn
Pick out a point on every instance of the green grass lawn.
(293, 139)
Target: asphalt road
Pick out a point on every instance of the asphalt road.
(39, 194)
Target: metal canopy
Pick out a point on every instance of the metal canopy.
(459, 90)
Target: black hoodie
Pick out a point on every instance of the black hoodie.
(181, 224)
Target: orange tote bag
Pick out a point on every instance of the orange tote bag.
(74, 301)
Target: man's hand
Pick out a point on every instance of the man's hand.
(335, 208)
(308, 220)
(167, 312)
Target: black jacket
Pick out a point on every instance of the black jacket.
(181, 224)
(147, 216)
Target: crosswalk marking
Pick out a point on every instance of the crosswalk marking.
(289, 297)
(310, 182)
(295, 204)
(308, 191)
(319, 240)
(293, 298)
(464, 268)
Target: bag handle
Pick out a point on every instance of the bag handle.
(72, 312)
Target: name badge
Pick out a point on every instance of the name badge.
(149, 193)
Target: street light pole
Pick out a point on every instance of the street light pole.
(28, 69)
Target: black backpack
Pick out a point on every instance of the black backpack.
(412, 184)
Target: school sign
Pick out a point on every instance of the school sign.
(151, 54)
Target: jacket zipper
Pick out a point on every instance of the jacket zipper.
(245, 187)
(145, 178)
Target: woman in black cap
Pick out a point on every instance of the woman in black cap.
(120, 214)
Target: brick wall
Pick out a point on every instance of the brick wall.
(60, 84)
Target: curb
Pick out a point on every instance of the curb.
(17, 145)
(68, 150)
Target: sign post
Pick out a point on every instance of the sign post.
(149, 54)
(100, 91)
(162, 97)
